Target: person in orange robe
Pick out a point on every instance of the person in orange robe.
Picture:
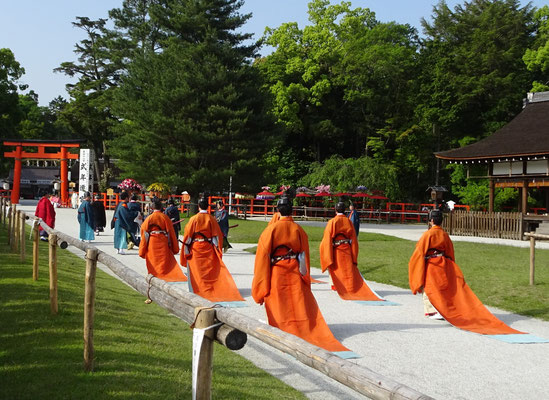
(282, 281)
(202, 255)
(338, 255)
(432, 269)
(158, 246)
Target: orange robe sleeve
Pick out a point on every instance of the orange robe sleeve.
(261, 284)
(416, 265)
(143, 247)
(187, 237)
(327, 259)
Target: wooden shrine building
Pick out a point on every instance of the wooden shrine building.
(516, 155)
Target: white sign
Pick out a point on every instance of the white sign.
(198, 338)
(85, 176)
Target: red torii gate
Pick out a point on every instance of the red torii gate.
(62, 154)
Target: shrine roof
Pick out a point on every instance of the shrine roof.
(526, 135)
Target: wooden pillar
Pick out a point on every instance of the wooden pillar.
(16, 175)
(524, 197)
(89, 308)
(16, 231)
(53, 273)
(2, 210)
(203, 356)
(546, 190)
(532, 258)
(22, 232)
(491, 196)
(35, 244)
(10, 224)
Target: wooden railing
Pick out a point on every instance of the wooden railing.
(187, 306)
(503, 225)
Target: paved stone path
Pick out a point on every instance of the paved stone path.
(397, 342)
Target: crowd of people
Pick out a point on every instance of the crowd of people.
(282, 279)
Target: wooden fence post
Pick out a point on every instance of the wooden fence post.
(532, 258)
(89, 308)
(2, 210)
(22, 232)
(16, 231)
(9, 224)
(53, 273)
(35, 244)
(203, 354)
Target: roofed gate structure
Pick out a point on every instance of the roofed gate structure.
(517, 155)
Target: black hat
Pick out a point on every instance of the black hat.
(283, 201)
(436, 216)
(340, 207)
(171, 201)
(203, 203)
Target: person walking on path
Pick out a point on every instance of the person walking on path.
(173, 213)
(222, 218)
(133, 225)
(433, 271)
(282, 280)
(45, 211)
(86, 219)
(202, 255)
(354, 217)
(159, 243)
(123, 219)
(100, 218)
(339, 254)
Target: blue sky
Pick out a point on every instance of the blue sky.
(40, 33)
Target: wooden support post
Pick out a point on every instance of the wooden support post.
(524, 202)
(532, 258)
(89, 308)
(53, 273)
(15, 236)
(22, 243)
(2, 210)
(9, 225)
(203, 354)
(35, 244)
(491, 195)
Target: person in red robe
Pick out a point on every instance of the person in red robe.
(338, 255)
(202, 255)
(282, 281)
(432, 269)
(45, 211)
(158, 246)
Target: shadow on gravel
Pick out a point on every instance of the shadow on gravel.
(345, 331)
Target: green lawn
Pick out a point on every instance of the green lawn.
(499, 275)
(141, 351)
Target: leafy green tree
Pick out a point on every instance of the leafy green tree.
(192, 112)
(344, 174)
(10, 115)
(537, 57)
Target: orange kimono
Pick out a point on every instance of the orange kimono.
(340, 258)
(158, 246)
(276, 217)
(286, 288)
(443, 282)
(202, 255)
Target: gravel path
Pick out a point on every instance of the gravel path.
(397, 342)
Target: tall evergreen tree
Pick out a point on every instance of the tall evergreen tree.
(192, 112)
(98, 70)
